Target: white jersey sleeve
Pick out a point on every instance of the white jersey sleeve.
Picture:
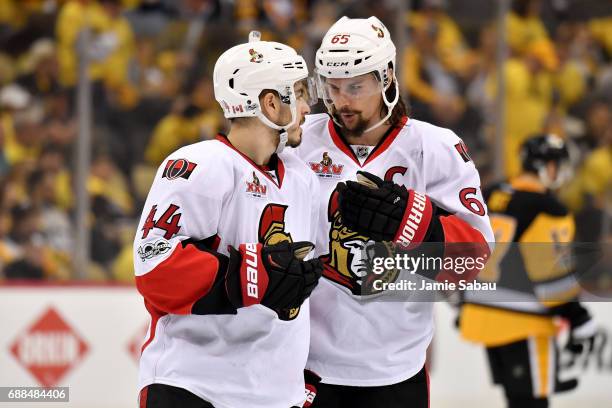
(452, 180)
(182, 209)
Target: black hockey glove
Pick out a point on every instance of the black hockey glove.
(583, 328)
(275, 276)
(582, 335)
(311, 380)
(582, 338)
(385, 211)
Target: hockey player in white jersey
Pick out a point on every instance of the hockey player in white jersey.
(426, 189)
(219, 251)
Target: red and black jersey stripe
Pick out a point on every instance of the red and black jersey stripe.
(463, 151)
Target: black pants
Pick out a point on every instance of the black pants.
(166, 396)
(412, 393)
(512, 367)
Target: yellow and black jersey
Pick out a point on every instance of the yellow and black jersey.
(531, 265)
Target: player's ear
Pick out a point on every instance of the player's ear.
(270, 105)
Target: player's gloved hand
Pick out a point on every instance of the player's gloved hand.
(583, 328)
(275, 276)
(311, 381)
(582, 337)
(385, 211)
(565, 385)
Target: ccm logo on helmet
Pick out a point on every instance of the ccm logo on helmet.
(251, 273)
(413, 220)
(337, 64)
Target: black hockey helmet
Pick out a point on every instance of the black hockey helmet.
(537, 151)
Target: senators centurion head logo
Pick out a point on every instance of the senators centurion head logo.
(346, 263)
(271, 231)
(255, 56)
(326, 167)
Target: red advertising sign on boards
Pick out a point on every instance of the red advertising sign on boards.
(49, 348)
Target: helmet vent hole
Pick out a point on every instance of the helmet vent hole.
(231, 83)
(243, 94)
(320, 62)
(237, 69)
(338, 50)
(368, 57)
(358, 61)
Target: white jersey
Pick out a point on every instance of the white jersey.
(211, 191)
(371, 343)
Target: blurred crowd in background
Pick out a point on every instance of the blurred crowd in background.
(151, 69)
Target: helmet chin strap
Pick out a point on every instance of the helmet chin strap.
(283, 130)
(390, 106)
(282, 142)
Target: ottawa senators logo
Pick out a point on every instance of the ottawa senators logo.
(326, 167)
(178, 168)
(463, 151)
(255, 56)
(272, 225)
(346, 264)
(379, 31)
(255, 188)
(272, 231)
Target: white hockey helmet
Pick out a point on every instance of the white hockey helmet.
(353, 47)
(245, 70)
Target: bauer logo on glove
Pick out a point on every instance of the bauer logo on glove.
(274, 276)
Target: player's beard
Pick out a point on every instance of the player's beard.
(355, 130)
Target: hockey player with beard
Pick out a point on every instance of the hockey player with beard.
(219, 251)
(417, 184)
